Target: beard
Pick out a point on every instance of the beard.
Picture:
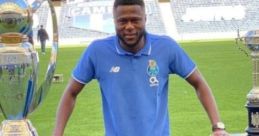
(141, 34)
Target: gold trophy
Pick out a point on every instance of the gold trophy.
(20, 90)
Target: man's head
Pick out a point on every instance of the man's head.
(130, 19)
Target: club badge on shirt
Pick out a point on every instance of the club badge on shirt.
(152, 71)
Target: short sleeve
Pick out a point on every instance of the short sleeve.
(180, 63)
(84, 71)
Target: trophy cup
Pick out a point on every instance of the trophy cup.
(251, 40)
(20, 89)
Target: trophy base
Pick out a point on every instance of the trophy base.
(17, 128)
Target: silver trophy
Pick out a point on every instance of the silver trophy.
(251, 40)
(20, 89)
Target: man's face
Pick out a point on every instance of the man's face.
(130, 24)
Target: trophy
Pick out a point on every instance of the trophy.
(251, 40)
(20, 89)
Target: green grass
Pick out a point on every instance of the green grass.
(227, 70)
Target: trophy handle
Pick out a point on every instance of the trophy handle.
(41, 93)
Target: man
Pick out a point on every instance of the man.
(42, 37)
(132, 68)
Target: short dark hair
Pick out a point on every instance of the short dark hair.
(128, 2)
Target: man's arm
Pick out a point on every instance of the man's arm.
(206, 98)
(66, 106)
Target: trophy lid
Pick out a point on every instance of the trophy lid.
(252, 37)
(251, 40)
(15, 16)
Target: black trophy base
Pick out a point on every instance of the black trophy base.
(253, 119)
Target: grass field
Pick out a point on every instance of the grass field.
(227, 70)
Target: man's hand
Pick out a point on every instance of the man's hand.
(219, 133)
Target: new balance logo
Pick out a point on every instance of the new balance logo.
(115, 69)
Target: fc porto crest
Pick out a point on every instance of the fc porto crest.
(152, 71)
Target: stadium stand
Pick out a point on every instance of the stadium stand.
(71, 10)
(42, 16)
(216, 16)
(84, 20)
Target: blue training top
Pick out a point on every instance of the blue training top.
(134, 87)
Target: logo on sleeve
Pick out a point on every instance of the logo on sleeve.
(152, 71)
